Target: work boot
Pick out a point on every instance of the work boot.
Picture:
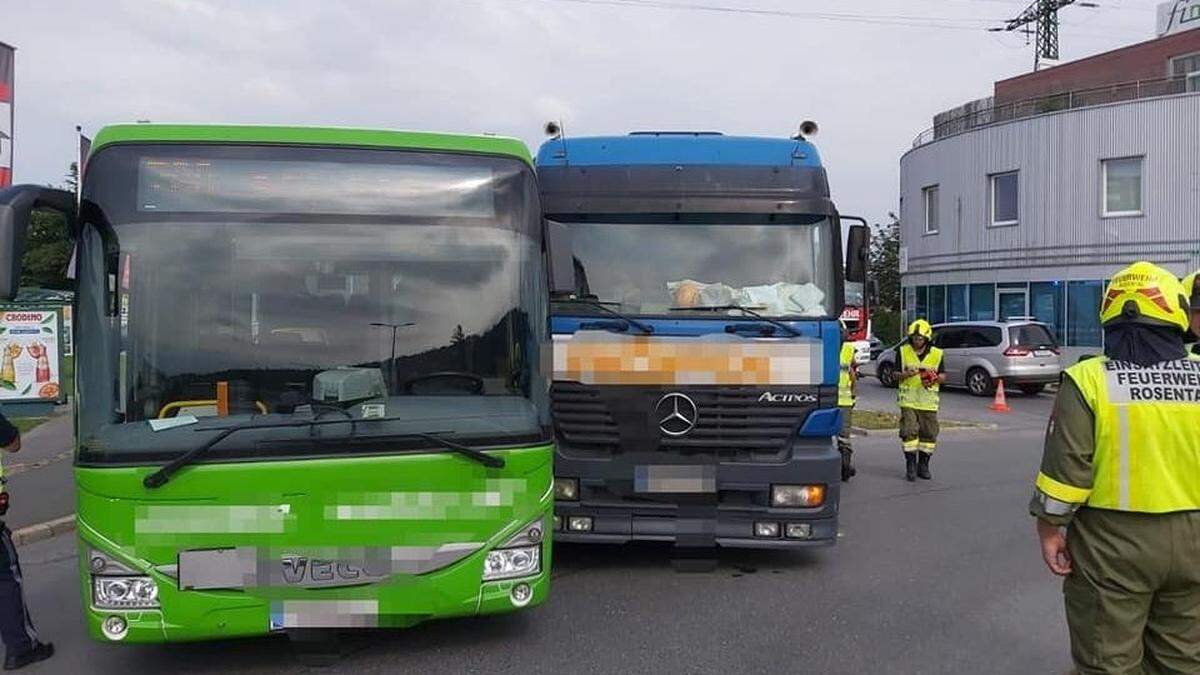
(848, 469)
(923, 465)
(910, 466)
(40, 652)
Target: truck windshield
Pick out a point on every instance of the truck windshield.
(383, 283)
(777, 268)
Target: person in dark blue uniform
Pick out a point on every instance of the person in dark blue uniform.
(21, 644)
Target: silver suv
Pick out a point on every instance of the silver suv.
(977, 353)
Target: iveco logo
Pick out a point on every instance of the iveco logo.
(768, 397)
(303, 571)
(677, 414)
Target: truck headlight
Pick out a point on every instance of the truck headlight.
(792, 496)
(509, 563)
(124, 592)
(566, 489)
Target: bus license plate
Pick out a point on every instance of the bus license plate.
(675, 478)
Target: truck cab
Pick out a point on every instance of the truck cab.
(696, 285)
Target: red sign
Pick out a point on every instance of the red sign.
(7, 78)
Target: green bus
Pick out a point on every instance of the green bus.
(312, 378)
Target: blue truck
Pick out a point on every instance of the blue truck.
(696, 285)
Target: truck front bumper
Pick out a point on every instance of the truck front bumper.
(728, 516)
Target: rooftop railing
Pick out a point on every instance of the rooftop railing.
(1081, 98)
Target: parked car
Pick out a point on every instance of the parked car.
(978, 353)
(876, 347)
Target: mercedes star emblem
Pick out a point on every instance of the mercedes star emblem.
(677, 414)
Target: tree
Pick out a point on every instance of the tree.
(48, 244)
(885, 275)
(885, 264)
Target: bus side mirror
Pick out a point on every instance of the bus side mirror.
(858, 242)
(562, 261)
(17, 203)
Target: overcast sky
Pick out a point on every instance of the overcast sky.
(506, 66)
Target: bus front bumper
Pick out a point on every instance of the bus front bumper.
(398, 602)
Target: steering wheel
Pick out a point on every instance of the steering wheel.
(476, 382)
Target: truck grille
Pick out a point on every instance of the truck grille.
(731, 419)
(582, 417)
(731, 422)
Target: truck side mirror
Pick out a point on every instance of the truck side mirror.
(562, 261)
(858, 243)
(17, 203)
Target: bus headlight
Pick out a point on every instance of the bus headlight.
(124, 592)
(509, 563)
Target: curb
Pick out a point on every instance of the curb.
(43, 531)
(972, 426)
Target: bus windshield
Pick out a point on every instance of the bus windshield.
(382, 282)
(777, 268)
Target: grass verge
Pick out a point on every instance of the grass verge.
(873, 420)
(24, 424)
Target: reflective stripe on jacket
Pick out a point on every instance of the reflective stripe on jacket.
(1147, 437)
(913, 393)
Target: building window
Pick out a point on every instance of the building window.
(983, 302)
(1188, 67)
(1083, 313)
(1012, 300)
(922, 305)
(1046, 305)
(1185, 65)
(1004, 196)
(930, 195)
(1123, 186)
(956, 303)
(937, 304)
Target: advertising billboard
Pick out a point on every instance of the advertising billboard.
(1177, 16)
(29, 354)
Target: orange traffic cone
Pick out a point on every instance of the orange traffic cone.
(999, 403)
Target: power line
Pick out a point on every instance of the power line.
(1044, 15)
(912, 21)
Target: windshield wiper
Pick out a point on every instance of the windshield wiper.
(746, 310)
(164, 473)
(464, 450)
(599, 304)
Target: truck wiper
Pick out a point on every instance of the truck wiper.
(744, 309)
(599, 304)
(164, 473)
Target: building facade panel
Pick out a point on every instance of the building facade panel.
(1064, 244)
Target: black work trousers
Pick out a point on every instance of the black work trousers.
(16, 628)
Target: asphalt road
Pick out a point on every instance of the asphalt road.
(941, 576)
(41, 483)
(1028, 412)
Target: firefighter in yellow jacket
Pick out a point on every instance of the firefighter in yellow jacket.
(847, 386)
(921, 376)
(1121, 473)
